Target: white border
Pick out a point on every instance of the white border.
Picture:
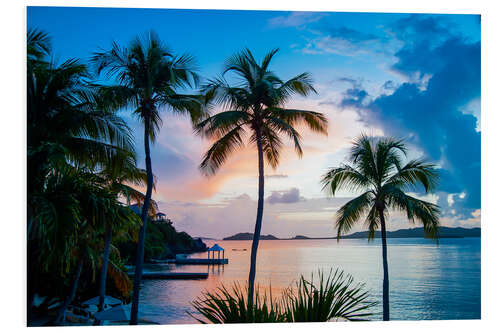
(13, 120)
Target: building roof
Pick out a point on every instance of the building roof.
(216, 247)
(136, 209)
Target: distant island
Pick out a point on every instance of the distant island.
(249, 236)
(444, 232)
(301, 237)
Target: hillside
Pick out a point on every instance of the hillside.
(444, 232)
(249, 236)
(162, 242)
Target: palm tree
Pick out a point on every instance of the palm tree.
(377, 169)
(118, 176)
(73, 207)
(148, 77)
(64, 131)
(64, 125)
(256, 105)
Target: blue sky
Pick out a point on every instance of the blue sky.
(412, 76)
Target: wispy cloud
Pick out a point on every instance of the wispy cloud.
(278, 176)
(349, 42)
(295, 19)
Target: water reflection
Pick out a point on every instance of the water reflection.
(426, 281)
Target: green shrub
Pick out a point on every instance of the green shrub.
(330, 298)
(231, 306)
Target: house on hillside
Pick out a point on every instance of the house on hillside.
(160, 217)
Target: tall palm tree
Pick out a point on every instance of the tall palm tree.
(255, 106)
(377, 169)
(118, 176)
(149, 77)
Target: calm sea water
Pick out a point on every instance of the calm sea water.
(426, 281)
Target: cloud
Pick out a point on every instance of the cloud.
(296, 19)
(290, 196)
(277, 176)
(428, 112)
(346, 41)
(351, 35)
(354, 97)
(312, 217)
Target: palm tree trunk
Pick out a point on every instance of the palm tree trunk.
(104, 270)
(385, 285)
(142, 232)
(258, 222)
(62, 310)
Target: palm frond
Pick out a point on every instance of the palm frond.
(282, 127)
(271, 146)
(244, 65)
(420, 211)
(218, 125)
(363, 157)
(301, 84)
(416, 172)
(315, 121)
(387, 152)
(267, 60)
(344, 177)
(351, 212)
(220, 150)
(38, 44)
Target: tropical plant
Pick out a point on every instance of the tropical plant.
(225, 306)
(333, 297)
(377, 169)
(64, 124)
(69, 131)
(149, 77)
(69, 216)
(255, 106)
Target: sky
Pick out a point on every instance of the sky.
(413, 76)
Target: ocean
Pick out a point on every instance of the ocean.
(427, 281)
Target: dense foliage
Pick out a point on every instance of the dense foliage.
(334, 297)
(82, 178)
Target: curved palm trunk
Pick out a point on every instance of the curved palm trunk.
(142, 232)
(104, 270)
(258, 222)
(62, 310)
(385, 285)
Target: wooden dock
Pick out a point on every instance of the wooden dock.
(200, 261)
(172, 275)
